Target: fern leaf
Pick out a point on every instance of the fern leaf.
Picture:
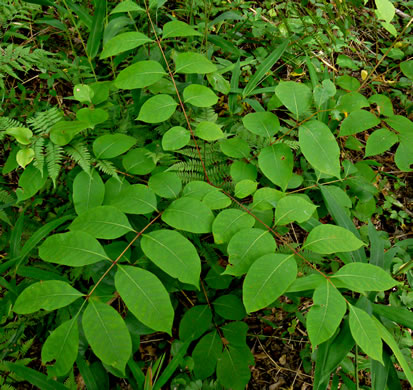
(107, 167)
(42, 122)
(79, 153)
(54, 155)
(38, 147)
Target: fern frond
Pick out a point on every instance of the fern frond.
(38, 147)
(42, 122)
(292, 144)
(54, 155)
(26, 346)
(6, 123)
(5, 197)
(79, 153)
(107, 167)
(4, 217)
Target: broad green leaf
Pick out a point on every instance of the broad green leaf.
(235, 147)
(245, 188)
(228, 222)
(229, 307)
(92, 116)
(146, 297)
(362, 277)
(175, 138)
(112, 145)
(113, 188)
(140, 75)
(384, 104)
(242, 170)
(188, 214)
(107, 334)
(407, 69)
(157, 109)
(216, 200)
(218, 83)
(265, 124)
(358, 121)
(305, 283)
(266, 198)
(123, 42)
(326, 313)
(352, 101)
(199, 96)
(88, 191)
(365, 333)
(276, 163)
(293, 208)
(105, 222)
(137, 162)
(319, 147)
(177, 28)
(296, 97)
(165, 184)
(385, 10)
(25, 157)
(391, 342)
(322, 93)
(264, 68)
(397, 314)
(135, 199)
(245, 247)
(174, 254)
(83, 93)
(348, 83)
(127, 6)
(61, 347)
(198, 189)
(195, 322)
(96, 30)
(48, 295)
(209, 131)
(404, 157)
(380, 141)
(30, 181)
(326, 239)
(74, 249)
(267, 279)
(232, 369)
(193, 63)
(22, 135)
(63, 132)
(206, 354)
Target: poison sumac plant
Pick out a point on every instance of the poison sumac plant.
(142, 236)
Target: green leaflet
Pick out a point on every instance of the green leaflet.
(193, 63)
(165, 184)
(209, 131)
(365, 333)
(232, 370)
(293, 208)
(177, 28)
(174, 254)
(380, 141)
(326, 313)
(195, 322)
(139, 75)
(107, 334)
(62, 347)
(123, 42)
(188, 214)
(228, 222)
(105, 222)
(76, 249)
(206, 354)
(88, 191)
(229, 307)
(362, 277)
(296, 97)
(157, 109)
(326, 239)
(265, 124)
(358, 121)
(267, 279)
(48, 295)
(199, 96)
(112, 145)
(135, 199)
(319, 147)
(137, 162)
(175, 138)
(146, 297)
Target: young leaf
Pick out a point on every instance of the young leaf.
(189, 214)
(319, 147)
(146, 297)
(326, 314)
(177, 28)
(276, 163)
(174, 254)
(362, 277)
(365, 333)
(105, 222)
(157, 109)
(267, 279)
(165, 184)
(358, 121)
(62, 347)
(380, 141)
(135, 199)
(265, 124)
(199, 96)
(175, 138)
(296, 97)
(76, 249)
(326, 239)
(123, 42)
(293, 208)
(107, 334)
(193, 63)
(141, 74)
(245, 247)
(88, 191)
(195, 322)
(228, 222)
(206, 354)
(48, 295)
(112, 145)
